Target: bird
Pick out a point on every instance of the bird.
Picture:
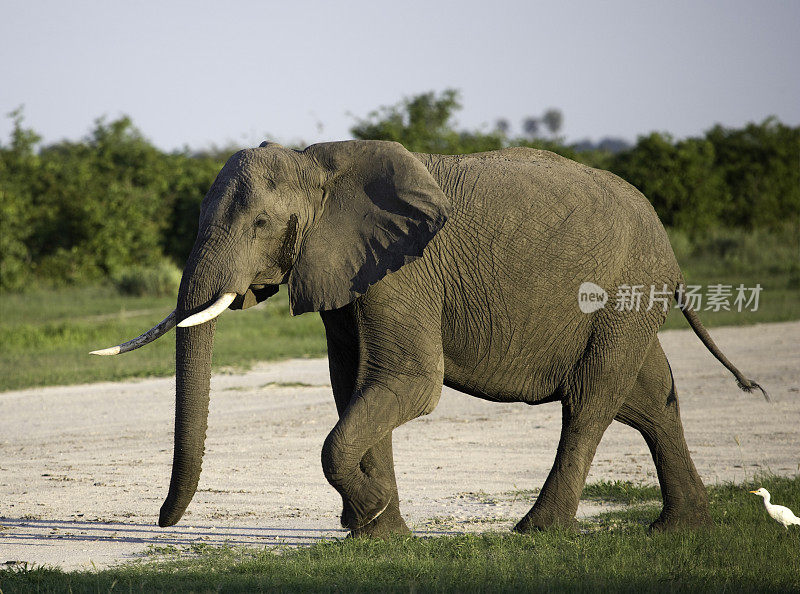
(779, 513)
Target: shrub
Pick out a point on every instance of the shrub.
(731, 251)
(77, 212)
(160, 280)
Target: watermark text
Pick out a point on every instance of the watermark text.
(718, 297)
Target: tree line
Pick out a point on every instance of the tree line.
(82, 211)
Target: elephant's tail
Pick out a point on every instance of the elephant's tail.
(744, 383)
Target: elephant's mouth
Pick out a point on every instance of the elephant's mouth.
(254, 295)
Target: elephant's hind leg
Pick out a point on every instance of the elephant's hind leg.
(652, 409)
(558, 501)
(591, 399)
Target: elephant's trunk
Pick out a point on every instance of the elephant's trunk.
(192, 383)
(193, 348)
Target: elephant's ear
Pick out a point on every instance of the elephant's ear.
(380, 208)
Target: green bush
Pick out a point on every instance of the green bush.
(745, 178)
(19, 164)
(760, 165)
(82, 211)
(678, 178)
(161, 280)
(187, 185)
(73, 212)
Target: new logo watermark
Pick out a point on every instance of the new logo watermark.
(592, 297)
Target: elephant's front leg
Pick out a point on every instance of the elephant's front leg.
(399, 378)
(367, 489)
(379, 460)
(343, 360)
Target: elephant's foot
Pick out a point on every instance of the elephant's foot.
(539, 519)
(390, 522)
(371, 501)
(685, 508)
(687, 517)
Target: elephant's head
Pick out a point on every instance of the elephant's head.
(330, 221)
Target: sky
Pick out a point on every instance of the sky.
(201, 74)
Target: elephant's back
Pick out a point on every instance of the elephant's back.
(521, 179)
(534, 206)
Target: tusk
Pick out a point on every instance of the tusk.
(159, 329)
(210, 312)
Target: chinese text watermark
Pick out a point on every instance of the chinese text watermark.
(719, 297)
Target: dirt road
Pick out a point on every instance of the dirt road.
(84, 469)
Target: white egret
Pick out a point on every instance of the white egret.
(779, 513)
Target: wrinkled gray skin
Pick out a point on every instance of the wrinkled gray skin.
(430, 269)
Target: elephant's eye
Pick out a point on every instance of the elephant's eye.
(261, 222)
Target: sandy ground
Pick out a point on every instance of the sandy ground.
(84, 469)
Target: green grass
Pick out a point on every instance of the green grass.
(45, 335)
(745, 551)
(621, 492)
(734, 257)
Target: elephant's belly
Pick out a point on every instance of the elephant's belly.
(518, 381)
(509, 355)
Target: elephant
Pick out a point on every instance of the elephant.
(431, 270)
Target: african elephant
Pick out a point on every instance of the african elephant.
(430, 270)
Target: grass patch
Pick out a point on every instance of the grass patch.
(45, 335)
(621, 492)
(609, 491)
(745, 551)
(734, 257)
(47, 339)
